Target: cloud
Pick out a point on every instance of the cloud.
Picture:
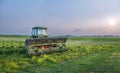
(77, 30)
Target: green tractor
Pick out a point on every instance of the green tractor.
(40, 43)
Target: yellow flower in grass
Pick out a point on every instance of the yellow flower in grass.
(13, 64)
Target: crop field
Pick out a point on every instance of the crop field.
(84, 55)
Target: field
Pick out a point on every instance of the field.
(84, 55)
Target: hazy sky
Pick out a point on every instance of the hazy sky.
(62, 17)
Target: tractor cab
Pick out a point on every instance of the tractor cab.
(39, 32)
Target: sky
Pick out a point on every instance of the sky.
(61, 17)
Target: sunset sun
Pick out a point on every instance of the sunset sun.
(112, 22)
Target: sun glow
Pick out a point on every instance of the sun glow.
(112, 22)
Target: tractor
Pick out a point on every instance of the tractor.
(40, 43)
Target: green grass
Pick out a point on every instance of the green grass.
(13, 37)
(96, 38)
(84, 55)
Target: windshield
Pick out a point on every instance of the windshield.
(36, 32)
(44, 32)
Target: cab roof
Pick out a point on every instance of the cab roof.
(39, 28)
